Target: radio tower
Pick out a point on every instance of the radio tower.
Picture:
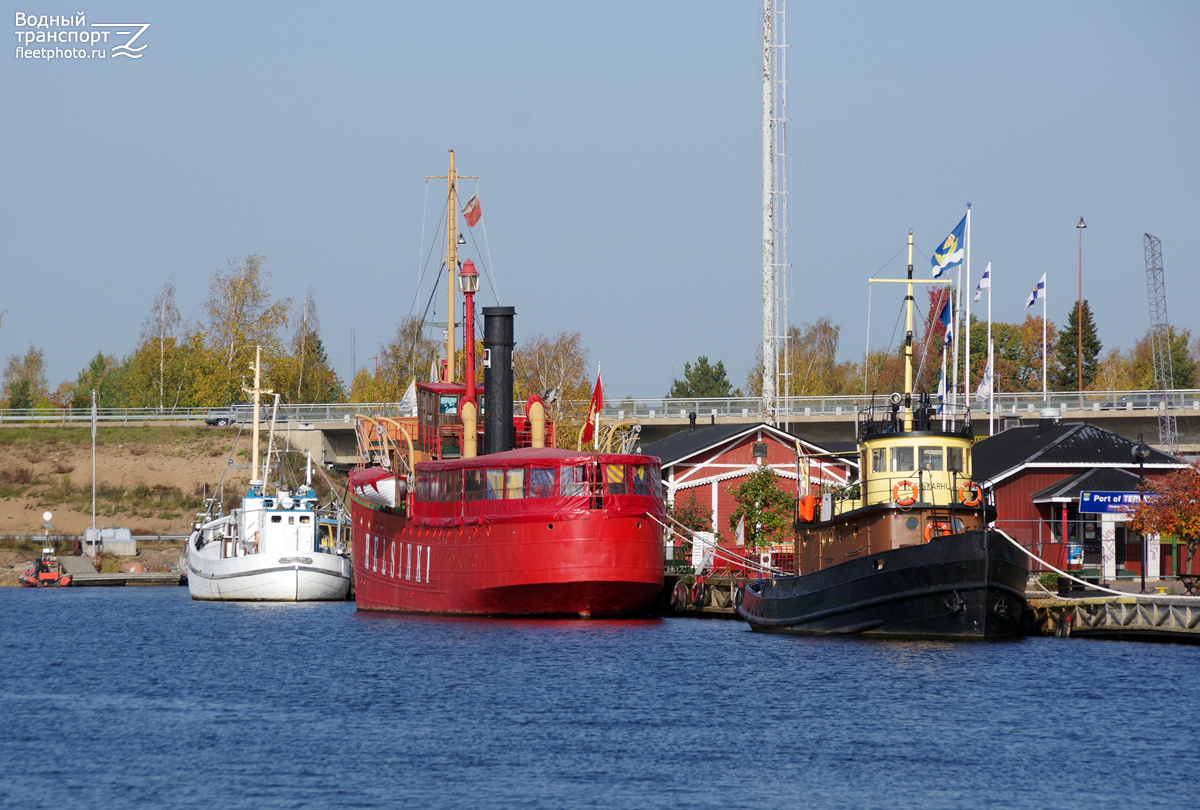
(1160, 342)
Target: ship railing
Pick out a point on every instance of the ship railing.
(1080, 547)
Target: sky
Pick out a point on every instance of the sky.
(618, 152)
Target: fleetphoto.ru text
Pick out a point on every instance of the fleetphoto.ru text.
(71, 36)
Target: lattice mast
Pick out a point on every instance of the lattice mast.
(1160, 343)
(768, 216)
(779, 52)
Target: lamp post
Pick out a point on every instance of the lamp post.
(1079, 312)
(468, 284)
(1141, 452)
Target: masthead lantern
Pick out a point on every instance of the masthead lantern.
(468, 278)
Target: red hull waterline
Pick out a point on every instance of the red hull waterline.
(594, 566)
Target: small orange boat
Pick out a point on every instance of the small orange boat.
(45, 573)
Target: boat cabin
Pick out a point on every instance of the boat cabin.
(535, 484)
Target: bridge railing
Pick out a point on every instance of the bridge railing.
(643, 409)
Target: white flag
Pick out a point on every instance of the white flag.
(985, 385)
(95, 414)
(408, 402)
(741, 531)
(434, 374)
(984, 283)
(1038, 292)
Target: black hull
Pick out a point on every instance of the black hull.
(963, 586)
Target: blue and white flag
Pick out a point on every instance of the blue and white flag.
(1038, 292)
(985, 385)
(985, 283)
(947, 320)
(950, 254)
(941, 391)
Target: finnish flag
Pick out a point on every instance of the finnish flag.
(1038, 292)
(985, 283)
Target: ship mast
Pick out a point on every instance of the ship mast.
(908, 338)
(451, 177)
(257, 391)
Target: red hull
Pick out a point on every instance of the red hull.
(597, 565)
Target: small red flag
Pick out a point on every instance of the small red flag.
(597, 405)
(472, 212)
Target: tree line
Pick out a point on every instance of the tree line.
(206, 363)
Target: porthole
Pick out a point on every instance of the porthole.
(877, 565)
(911, 524)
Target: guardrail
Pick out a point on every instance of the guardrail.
(643, 409)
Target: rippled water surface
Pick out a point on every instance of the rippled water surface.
(139, 697)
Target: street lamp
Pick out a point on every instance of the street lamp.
(1141, 452)
(1079, 312)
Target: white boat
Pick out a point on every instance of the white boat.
(268, 549)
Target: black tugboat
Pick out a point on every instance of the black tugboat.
(910, 554)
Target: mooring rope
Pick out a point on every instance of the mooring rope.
(717, 549)
(1062, 573)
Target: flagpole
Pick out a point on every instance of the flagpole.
(967, 322)
(1045, 398)
(991, 366)
(954, 323)
(93, 468)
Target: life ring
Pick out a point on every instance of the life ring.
(970, 486)
(941, 529)
(698, 594)
(909, 501)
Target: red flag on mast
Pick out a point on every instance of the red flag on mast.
(597, 405)
(471, 211)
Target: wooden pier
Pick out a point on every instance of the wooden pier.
(84, 575)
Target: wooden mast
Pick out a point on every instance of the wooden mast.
(451, 178)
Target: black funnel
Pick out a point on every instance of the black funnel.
(498, 379)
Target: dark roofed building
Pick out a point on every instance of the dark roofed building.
(1038, 473)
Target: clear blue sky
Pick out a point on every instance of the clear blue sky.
(618, 150)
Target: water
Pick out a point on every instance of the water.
(138, 697)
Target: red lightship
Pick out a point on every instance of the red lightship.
(520, 530)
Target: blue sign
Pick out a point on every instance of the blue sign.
(1101, 502)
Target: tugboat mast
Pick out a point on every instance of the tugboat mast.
(451, 177)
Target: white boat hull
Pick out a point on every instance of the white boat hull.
(302, 577)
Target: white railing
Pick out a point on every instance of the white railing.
(644, 409)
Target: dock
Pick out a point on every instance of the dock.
(1135, 617)
(84, 575)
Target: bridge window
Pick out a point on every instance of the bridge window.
(902, 459)
(572, 481)
(541, 482)
(473, 482)
(954, 459)
(448, 404)
(931, 458)
(879, 460)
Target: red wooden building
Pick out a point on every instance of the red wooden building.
(705, 462)
(1038, 472)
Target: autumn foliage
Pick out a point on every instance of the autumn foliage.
(1171, 507)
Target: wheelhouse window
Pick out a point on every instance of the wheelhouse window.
(954, 459)
(573, 481)
(541, 482)
(448, 404)
(931, 458)
(879, 460)
(902, 459)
